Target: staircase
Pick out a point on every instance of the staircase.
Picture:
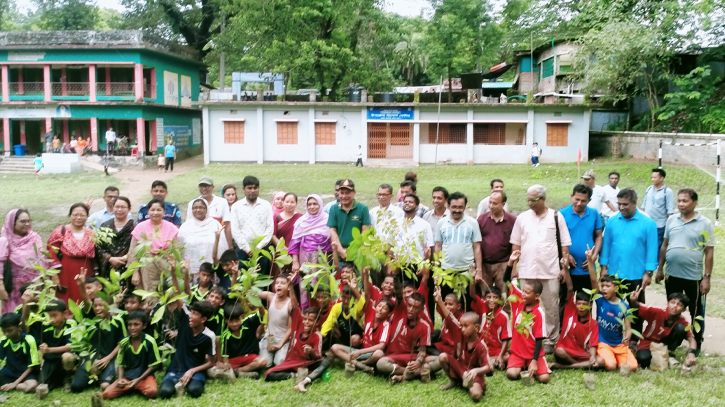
(17, 165)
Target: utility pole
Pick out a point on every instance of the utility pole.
(222, 74)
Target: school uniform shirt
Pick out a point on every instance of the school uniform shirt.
(217, 209)
(45, 334)
(407, 340)
(377, 295)
(401, 309)
(611, 332)
(136, 361)
(495, 326)
(18, 357)
(296, 356)
(470, 357)
(244, 344)
(191, 350)
(172, 213)
(104, 341)
(197, 295)
(656, 329)
(577, 337)
(216, 322)
(345, 321)
(450, 335)
(374, 335)
(523, 343)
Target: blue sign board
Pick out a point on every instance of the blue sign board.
(180, 135)
(390, 113)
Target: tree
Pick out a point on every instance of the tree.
(66, 14)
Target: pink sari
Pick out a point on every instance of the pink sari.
(21, 252)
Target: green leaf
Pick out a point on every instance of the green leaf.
(158, 315)
(75, 310)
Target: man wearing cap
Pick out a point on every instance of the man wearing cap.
(598, 198)
(345, 216)
(217, 207)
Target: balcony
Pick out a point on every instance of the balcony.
(70, 90)
(26, 90)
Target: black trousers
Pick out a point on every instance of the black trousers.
(631, 285)
(317, 369)
(691, 288)
(673, 340)
(359, 162)
(169, 164)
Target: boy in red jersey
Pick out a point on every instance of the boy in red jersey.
(401, 307)
(495, 328)
(451, 312)
(528, 333)
(664, 325)
(470, 361)
(409, 335)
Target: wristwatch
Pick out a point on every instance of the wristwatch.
(707, 276)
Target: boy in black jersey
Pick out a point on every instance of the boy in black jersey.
(240, 345)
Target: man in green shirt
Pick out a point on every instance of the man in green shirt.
(345, 216)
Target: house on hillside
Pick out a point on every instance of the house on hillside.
(546, 71)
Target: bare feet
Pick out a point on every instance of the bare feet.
(450, 385)
(396, 379)
(300, 387)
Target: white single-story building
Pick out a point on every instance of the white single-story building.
(331, 132)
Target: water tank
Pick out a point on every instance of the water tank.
(354, 95)
(387, 97)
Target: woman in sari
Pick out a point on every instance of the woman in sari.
(197, 235)
(159, 235)
(20, 246)
(284, 223)
(114, 254)
(311, 234)
(72, 247)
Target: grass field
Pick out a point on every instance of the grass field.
(49, 199)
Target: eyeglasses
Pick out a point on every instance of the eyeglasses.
(535, 199)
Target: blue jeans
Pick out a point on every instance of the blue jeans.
(195, 387)
(80, 380)
(660, 238)
(534, 160)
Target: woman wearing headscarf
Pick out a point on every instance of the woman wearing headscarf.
(159, 234)
(278, 203)
(73, 248)
(197, 235)
(311, 234)
(114, 254)
(19, 246)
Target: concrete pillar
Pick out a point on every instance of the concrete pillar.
(5, 83)
(138, 81)
(530, 130)
(260, 135)
(108, 81)
(416, 136)
(21, 85)
(92, 83)
(153, 146)
(141, 136)
(152, 83)
(584, 135)
(6, 134)
(48, 125)
(63, 82)
(66, 132)
(311, 131)
(469, 138)
(94, 134)
(46, 82)
(23, 139)
(363, 138)
(205, 134)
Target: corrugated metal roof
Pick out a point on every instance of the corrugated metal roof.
(497, 85)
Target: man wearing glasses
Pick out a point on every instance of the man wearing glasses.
(535, 235)
(385, 216)
(217, 207)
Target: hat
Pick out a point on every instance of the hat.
(206, 180)
(348, 184)
(589, 174)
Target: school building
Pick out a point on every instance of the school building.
(81, 83)
(407, 134)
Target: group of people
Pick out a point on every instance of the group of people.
(534, 291)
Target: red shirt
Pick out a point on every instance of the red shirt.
(295, 352)
(495, 328)
(401, 309)
(471, 358)
(576, 336)
(407, 340)
(522, 345)
(373, 336)
(377, 295)
(495, 237)
(656, 329)
(451, 335)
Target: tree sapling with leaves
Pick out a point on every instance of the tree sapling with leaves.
(20, 353)
(666, 326)
(469, 360)
(239, 343)
(528, 322)
(614, 318)
(344, 319)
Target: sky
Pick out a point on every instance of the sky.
(402, 7)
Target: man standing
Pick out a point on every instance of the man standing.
(382, 215)
(439, 199)
(110, 140)
(535, 234)
(597, 200)
(459, 238)
(345, 216)
(217, 207)
(409, 187)
(329, 205)
(535, 154)
(496, 226)
(159, 190)
(585, 230)
(109, 197)
(49, 141)
(629, 249)
(688, 238)
(496, 185)
(252, 218)
(610, 195)
(659, 202)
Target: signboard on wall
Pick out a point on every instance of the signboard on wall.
(171, 88)
(185, 90)
(180, 135)
(160, 141)
(196, 130)
(390, 113)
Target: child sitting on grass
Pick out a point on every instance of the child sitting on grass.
(280, 305)
(495, 328)
(469, 362)
(239, 343)
(609, 310)
(305, 352)
(450, 311)
(200, 291)
(20, 354)
(137, 360)
(528, 335)
(343, 324)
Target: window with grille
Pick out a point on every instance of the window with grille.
(233, 132)
(325, 133)
(547, 68)
(286, 132)
(489, 133)
(557, 134)
(449, 133)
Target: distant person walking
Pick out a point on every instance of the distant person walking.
(659, 202)
(110, 140)
(359, 157)
(170, 152)
(535, 154)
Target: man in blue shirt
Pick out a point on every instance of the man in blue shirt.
(585, 228)
(629, 250)
(659, 202)
(159, 190)
(109, 197)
